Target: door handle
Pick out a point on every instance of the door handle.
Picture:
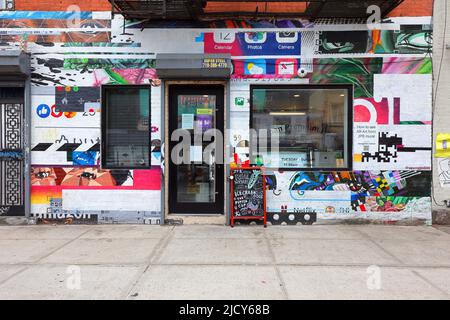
(212, 169)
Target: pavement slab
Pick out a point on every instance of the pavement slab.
(8, 271)
(216, 251)
(419, 233)
(356, 283)
(43, 232)
(104, 251)
(422, 253)
(218, 262)
(61, 282)
(307, 251)
(217, 232)
(319, 232)
(209, 282)
(126, 232)
(27, 251)
(439, 277)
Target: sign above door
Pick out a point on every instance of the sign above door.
(193, 66)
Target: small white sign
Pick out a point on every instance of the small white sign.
(196, 153)
(187, 121)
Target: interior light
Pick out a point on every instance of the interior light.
(342, 95)
(296, 95)
(287, 113)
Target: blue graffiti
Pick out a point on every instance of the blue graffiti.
(87, 158)
(11, 154)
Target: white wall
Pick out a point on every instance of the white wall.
(441, 86)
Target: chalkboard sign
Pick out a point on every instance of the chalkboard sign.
(248, 194)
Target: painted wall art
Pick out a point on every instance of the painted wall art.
(390, 70)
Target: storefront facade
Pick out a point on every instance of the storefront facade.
(351, 106)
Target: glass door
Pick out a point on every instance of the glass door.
(196, 177)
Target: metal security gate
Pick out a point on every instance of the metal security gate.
(12, 158)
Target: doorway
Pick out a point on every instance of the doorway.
(196, 173)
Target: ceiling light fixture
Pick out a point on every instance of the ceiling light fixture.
(287, 113)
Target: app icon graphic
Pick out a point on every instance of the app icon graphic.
(286, 67)
(55, 113)
(239, 101)
(255, 37)
(43, 111)
(255, 67)
(286, 37)
(224, 37)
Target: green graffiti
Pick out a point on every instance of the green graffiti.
(358, 72)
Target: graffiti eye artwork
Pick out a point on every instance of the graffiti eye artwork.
(42, 175)
(338, 46)
(90, 27)
(88, 175)
(418, 41)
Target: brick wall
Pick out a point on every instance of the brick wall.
(413, 8)
(61, 5)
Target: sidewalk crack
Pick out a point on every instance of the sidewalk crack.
(275, 265)
(36, 262)
(154, 256)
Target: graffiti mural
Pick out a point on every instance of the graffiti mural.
(346, 194)
(342, 42)
(402, 41)
(390, 70)
(57, 193)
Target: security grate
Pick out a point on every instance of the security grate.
(11, 156)
(234, 9)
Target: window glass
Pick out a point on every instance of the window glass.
(126, 127)
(307, 127)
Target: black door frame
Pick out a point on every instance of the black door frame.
(189, 207)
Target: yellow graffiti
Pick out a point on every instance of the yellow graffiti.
(442, 145)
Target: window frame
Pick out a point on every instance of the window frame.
(348, 87)
(104, 121)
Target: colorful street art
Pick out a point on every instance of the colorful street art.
(389, 69)
(344, 194)
(357, 71)
(51, 184)
(402, 41)
(330, 42)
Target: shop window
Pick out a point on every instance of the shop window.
(301, 127)
(6, 4)
(126, 133)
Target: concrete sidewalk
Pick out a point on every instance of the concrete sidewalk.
(218, 262)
